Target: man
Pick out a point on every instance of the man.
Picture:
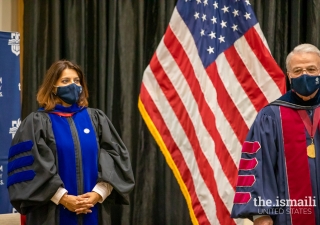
(279, 170)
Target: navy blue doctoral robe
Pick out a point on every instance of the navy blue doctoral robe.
(71, 147)
(274, 168)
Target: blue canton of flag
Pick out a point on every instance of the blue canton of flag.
(216, 25)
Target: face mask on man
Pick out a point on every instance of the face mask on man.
(70, 93)
(305, 84)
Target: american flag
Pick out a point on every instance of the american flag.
(210, 75)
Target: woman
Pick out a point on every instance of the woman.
(66, 158)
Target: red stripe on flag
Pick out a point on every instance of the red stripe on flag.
(228, 166)
(174, 151)
(250, 147)
(244, 77)
(265, 58)
(229, 109)
(248, 164)
(242, 197)
(205, 169)
(246, 180)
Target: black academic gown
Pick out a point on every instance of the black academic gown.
(70, 147)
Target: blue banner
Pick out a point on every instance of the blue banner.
(10, 107)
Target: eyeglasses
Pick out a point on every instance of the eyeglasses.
(311, 70)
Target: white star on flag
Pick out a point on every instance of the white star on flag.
(225, 9)
(221, 38)
(235, 12)
(212, 35)
(234, 27)
(215, 4)
(247, 16)
(214, 20)
(204, 17)
(196, 15)
(223, 24)
(210, 50)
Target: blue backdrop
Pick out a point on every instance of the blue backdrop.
(10, 107)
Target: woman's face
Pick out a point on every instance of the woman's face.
(68, 76)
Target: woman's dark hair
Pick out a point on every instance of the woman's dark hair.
(45, 96)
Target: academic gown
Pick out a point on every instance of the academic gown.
(274, 165)
(72, 147)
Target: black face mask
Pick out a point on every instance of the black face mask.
(305, 85)
(70, 93)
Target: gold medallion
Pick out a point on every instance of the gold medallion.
(311, 151)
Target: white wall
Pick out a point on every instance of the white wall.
(8, 15)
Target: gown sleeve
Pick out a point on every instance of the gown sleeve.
(257, 176)
(114, 160)
(32, 172)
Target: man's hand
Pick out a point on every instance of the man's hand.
(264, 220)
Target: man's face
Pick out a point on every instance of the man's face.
(304, 63)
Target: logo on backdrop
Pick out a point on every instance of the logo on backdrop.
(15, 43)
(15, 126)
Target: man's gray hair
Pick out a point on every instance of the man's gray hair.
(303, 48)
